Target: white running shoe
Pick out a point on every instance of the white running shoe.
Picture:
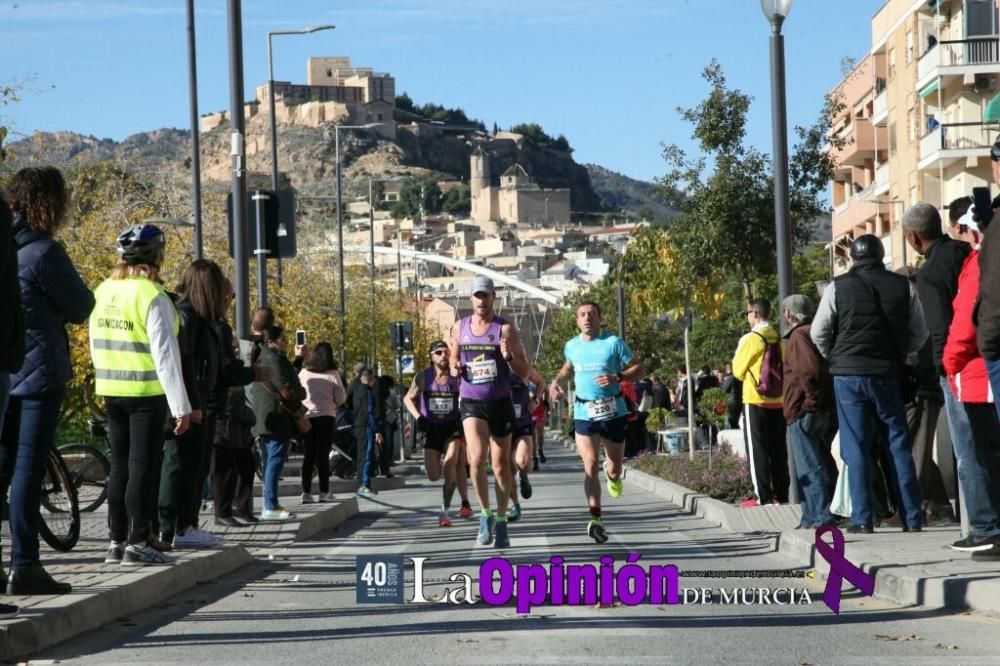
(324, 497)
(307, 498)
(275, 514)
(137, 554)
(195, 538)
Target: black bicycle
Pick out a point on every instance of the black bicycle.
(59, 515)
(89, 468)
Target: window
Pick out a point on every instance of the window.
(892, 139)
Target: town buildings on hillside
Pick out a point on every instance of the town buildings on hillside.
(912, 119)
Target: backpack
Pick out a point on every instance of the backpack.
(772, 376)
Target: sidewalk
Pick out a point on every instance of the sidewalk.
(104, 592)
(910, 569)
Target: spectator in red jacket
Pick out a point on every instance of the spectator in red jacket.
(969, 381)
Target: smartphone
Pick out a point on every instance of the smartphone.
(300, 338)
(983, 204)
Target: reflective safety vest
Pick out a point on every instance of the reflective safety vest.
(119, 343)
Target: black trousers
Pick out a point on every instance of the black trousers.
(316, 453)
(232, 481)
(922, 418)
(181, 480)
(135, 436)
(764, 435)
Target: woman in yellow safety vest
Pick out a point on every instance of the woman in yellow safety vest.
(137, 364)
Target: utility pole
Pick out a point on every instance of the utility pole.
(237, 154)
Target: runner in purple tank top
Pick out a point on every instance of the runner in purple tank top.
(433, 401)
(485, 405)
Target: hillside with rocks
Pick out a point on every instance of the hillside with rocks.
(307, 159)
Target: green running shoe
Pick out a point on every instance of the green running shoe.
(485, 530)
(595, 530)
(514, 514)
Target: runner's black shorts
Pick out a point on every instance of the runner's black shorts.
(612, 430)
(498, 414)
(439, 434)
(523, 430)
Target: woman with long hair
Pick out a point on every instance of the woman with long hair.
(273, 402)
(52, 295)
(324, 396)
(201, 301)
(137, 363)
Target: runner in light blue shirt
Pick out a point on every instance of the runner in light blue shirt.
(599, 362)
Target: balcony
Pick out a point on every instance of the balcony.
(856, 216)
(954, 141)
(860, 143)
(880, 111)
(959, 57)
(882, 178)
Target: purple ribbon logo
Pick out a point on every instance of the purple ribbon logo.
(840, 568)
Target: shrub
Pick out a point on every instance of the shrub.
(728, 479)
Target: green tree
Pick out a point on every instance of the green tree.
(414, 193)
(537, 137)
(726, 221)
(457, 200)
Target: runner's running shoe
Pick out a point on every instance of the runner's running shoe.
(444, 520)
(485, 530)
(465, 511)
(514, 514)
(525, 486)
(501, 540)
(595, 530)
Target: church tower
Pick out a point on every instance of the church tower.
(479, 183)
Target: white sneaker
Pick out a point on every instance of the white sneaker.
(136, 555)
(307, 498)
(195, 538)
(324, 497)
(275, 514)
(210, 538)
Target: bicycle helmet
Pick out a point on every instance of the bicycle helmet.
(141, 244)
(867, 246)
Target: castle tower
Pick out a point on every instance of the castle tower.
(479, 183)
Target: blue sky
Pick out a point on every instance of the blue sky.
(609, 74)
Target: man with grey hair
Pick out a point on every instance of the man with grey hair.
(937, 286)
(808, 408)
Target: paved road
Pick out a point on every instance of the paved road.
(300, 606)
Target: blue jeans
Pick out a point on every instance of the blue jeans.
(993, 368)
(976, 496)
(811, 436)
(368, 442)
(276, 450)
(28, 434)
(861, 401)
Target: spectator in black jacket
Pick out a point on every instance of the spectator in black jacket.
(52, 295)
(11, 338)
(369, 421)
(186, 458)
(988, 306)
(937, 285)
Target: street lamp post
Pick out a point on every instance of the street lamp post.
(270, 94)
(237, 156)
(340, 237)
(195, 145)
(776, 11)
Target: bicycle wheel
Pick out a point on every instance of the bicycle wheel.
(89, 470)
(59, 522)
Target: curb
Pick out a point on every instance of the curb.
(898, 584)
(291, 487)
(61, 618)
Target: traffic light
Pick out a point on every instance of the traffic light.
(401, 335)
(279, 222)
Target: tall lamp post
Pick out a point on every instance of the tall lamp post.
(340, 237)
(776, 11)
(270, 94)
(195, 146)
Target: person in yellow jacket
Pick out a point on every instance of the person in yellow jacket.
(137, 368)
(763, 421)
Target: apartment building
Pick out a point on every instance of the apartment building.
(912, 119)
